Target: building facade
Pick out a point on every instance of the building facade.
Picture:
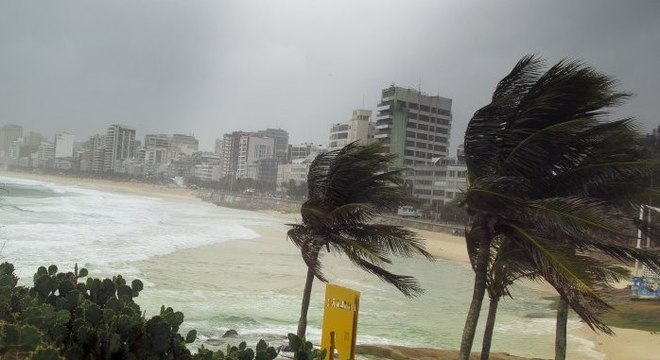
(281, 138)
(8, 134)
(253, 148)
(229, 154)
(119, 146)
(360, 128)
(413, 125)
(64, 146)
(184, 144)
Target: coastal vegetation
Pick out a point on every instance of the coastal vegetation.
(553, 187)
(347, 188)
(62, 316)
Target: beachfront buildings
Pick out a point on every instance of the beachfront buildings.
(183, 144)
(63, 146)
(413, 125)
(229, 153)
(416, 127)
(8, 134)
(359, 128)
(281, 139)
(301, 151)
(119, 146)
(253, 153)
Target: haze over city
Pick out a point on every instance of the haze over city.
(210, 67)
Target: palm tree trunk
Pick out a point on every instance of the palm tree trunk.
(560, 332)
(481, 266)
(490, 325)
(307, 293)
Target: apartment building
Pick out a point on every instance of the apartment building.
(119, 146)
(8, 134)
(413, 125)
(229, 154)
(281, 138)
(184, 144)
(359, 128)
(253, 148)
(63, 146)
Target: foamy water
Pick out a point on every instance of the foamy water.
(258, 294)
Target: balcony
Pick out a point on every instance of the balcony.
(383, 126)
(381, 136)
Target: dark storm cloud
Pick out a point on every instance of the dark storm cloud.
(211, 67)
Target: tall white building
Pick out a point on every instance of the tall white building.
(119, 146)
(359, 128)
(63, 145)
(251, 149)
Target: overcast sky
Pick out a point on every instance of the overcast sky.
(210, 67)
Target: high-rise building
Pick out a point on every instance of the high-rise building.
(359, 128)
(63, 145)
(184, 144)
(229, 155)
(8, 134)
(413, 125)
(251, 149)
(119, 146)
(281, 138)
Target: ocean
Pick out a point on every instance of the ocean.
(210, 263)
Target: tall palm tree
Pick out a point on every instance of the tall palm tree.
(546, 169)
(347, 189)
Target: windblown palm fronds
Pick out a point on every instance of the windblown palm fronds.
(551, 174)
(347, 188)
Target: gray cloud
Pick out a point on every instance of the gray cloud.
(211, 67)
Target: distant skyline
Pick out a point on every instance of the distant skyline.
(211, 67)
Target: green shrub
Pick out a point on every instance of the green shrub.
(62, 317)
(304, 350)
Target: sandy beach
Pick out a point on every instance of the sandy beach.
(138, 188)
(626, 344)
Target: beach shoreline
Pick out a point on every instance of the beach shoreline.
(632, 344)
(125, 187)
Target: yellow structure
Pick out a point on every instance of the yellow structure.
(340, 317)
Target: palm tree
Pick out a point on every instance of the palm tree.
(347, 188)
(545, 169)
(509, 264)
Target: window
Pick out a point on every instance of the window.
(425, 108)
(410, 134)
(422, 136)
(423, 127)
(412, 106)
(411, 125)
